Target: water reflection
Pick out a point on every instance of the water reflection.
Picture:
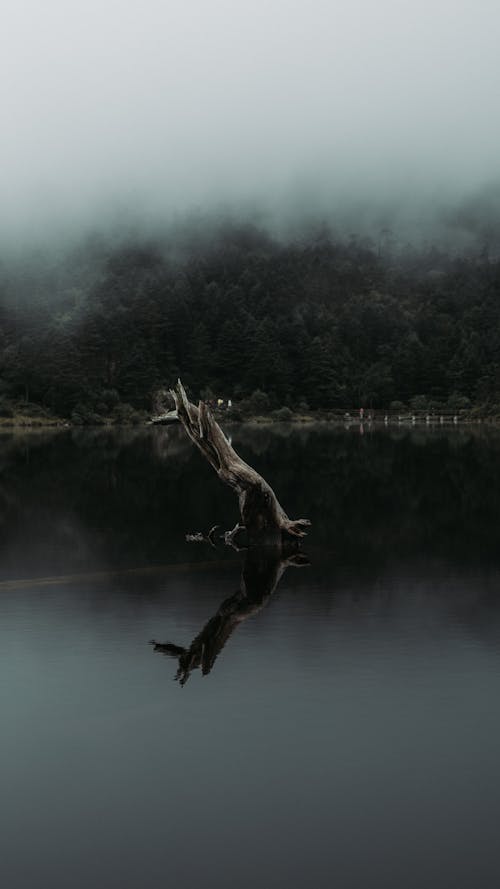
(262, 571)
(350, 733)
(91, 500)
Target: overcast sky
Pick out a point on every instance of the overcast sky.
(161, 105)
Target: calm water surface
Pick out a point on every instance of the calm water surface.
(346, 730)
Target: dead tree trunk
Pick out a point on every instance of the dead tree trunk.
(262, 516)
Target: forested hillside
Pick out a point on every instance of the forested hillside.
(313, 324)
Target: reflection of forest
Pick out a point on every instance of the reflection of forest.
(115, 497)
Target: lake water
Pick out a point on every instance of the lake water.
(337, 727)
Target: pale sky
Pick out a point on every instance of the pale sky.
(163, 106)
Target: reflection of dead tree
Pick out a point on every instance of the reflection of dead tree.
(262, 516)
(262, 571)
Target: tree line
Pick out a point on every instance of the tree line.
(314, 324)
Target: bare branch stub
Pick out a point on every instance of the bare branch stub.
(262, 516)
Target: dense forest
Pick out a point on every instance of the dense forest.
(317, 323)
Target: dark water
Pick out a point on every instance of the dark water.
(346, 732)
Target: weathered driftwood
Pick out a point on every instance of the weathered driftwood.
(262, 570)
(262, 516)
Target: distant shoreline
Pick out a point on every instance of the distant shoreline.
(379, 420)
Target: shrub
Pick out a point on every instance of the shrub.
(28, 409)
(283, 414)
(259, 402)
(234, 413)
(458, 402)
(434, 406)
(419, 403)
(83, 415)
(126, 415)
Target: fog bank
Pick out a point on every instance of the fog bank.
(288, 109)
